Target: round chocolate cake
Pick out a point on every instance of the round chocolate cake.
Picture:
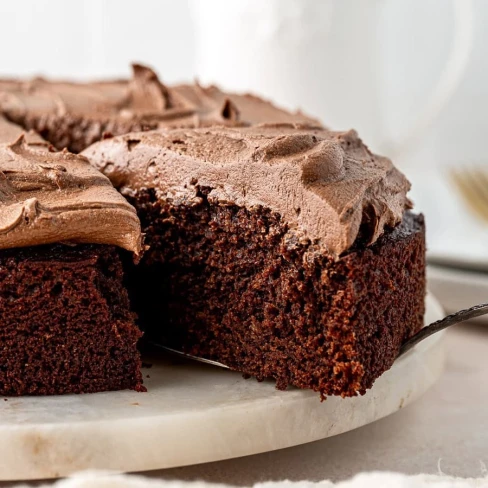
(274, 246)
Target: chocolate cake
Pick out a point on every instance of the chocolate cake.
(284, 251)
(74, 115)
(65, 321)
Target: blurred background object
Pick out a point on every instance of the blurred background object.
(409, 75)
(334, 59)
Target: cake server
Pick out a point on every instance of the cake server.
(438, 325)
(424, 333)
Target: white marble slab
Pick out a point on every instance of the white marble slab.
(194, 413)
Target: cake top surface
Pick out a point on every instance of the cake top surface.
(58, 197)
(327, 186)
(142, 98)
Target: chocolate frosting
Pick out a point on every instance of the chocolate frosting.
(11, 132)
(143, 99)
(327, 186)
(50, 197)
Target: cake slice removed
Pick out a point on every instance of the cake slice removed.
(282, 251)
(65, 321)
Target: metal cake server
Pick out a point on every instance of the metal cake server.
(189, 356)
(427, 331)
(438, 325)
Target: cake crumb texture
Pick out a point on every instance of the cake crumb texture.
(232, 284)
(66, 324)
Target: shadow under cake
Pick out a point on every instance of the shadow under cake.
(281, 251)
(75, 115)
(65, 320)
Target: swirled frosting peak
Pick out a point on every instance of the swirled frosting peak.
(50, 197)
(327, 186)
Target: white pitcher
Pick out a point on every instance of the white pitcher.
(324, 56)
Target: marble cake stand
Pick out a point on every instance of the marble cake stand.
(194, 413)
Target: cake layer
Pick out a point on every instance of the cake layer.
(66, 324)
(74, 115)
(222, 282)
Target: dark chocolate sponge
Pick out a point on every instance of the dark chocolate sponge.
(65, 322)
(222, 282)
(282, 251)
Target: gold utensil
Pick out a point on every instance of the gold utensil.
(472, 184)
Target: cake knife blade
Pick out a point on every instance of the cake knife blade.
(189, 356)
(438, 325)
